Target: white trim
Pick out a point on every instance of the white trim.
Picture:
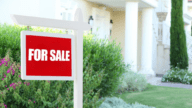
(23, 55)
(151, 3)
(53, 23)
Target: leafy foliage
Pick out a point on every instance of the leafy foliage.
(115, 102)
(17, 93)
(105, 55)
(178, 49)
(132, 81)
(178, 75)
(10, 38)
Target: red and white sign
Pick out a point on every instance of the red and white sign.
(47, 56)
(50, 56)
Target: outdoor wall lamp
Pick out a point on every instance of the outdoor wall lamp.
(91, 22)
(111, 24)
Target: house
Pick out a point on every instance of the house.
(141, 26)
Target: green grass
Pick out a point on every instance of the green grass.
(160, 97)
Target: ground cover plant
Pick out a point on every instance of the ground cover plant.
(178, 75)
(160, 97)
(132, 81)
(114, 102)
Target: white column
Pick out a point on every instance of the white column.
(131, 26)
(147, 42)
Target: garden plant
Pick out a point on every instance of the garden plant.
(178, 75)
(178, 46)
(17, 93)
(114, 102)
(132, 81)
(102, 66)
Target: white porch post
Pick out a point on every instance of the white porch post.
(147, 39)
(131, 26)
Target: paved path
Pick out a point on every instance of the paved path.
(157, 81)
(178, 85)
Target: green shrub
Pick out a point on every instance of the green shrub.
(17, 93)
(178, 75)
(132, 81)
(115, 102)
(10, 38)
(105, 55)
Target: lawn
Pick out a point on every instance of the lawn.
(160, 97)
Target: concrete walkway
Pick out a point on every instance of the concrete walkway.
(157, 81)
(178, 85)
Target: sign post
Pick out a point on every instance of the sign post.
(53, 51)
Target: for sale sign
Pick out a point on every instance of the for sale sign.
(47, 56)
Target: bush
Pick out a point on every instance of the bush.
(17, 93)
(103, 55)
(10, 38)
(115, 102)
(178, 75)
(131, 81)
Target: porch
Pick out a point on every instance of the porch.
(134, 26)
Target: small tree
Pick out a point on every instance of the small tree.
(178, 48)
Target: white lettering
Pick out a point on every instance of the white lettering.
(53, 56)
(63, 53)
(44, 55)
(58, 56)
(67, 55)
(37, 55)
(30, 54)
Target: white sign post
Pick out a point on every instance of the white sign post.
(79, 26)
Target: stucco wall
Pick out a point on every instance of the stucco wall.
(118, 30)
(87, 6)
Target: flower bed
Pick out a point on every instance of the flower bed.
(178, 75)
(17, 93)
